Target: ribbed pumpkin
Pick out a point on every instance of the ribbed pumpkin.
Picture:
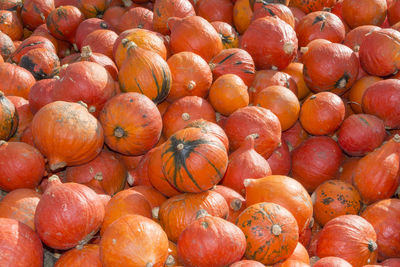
(93, 8)
(211, 241)
(35, 12)
(194, 34)
(242, 14)
(356, 36)
(332, 261)
(134, 241)
(19, 246)
(191, 76)
(193, 161)
(234, 61)
(271, 224)
(63, 22)
(228, 34)
(334, 198)
(284, 191)
(11, 24)
(8, 118)
(137, 17)
(308, 6)
(20, 204)
(88, 26)
(210, 128)
(15, 80)
(42, 63)
(101, 41)
(384, 216)
(88, 256)
(21, 166)
(68, 215)
(330, 67)
(245, 155)
(165, 9)
(67, 134)
(265, 9)
(322, 113)
(132, 134)
(374, 12)
(280, 161)
(376, 174)
(180, 211)
(152, 76)
(254, 120)
(357, 91)
(295, 69)
(316, 160)
(124, 203)
(275, 52)
(29, 44)
(356, 242)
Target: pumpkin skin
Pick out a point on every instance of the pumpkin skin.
(235, 201)
(356, 243)
(265, 9)
(166, 9)
(357, 92)
(379, 99)
(35, 12)
(136, 133)
(11, 24)
(215, 10)
(6, 46)
(139, 175)
(299, 254)
(68, 214)
(315, 161)
(247, 263)
(101, 41)
(234, 61)
(88, 26)
(280, 161)
(275, 52)
(154, 197)
(152, 76)
(191, 76)
(194, 34)
(376, 174)
(320, 25)
(384, 216)
(242, 13)
(393, 12)
(60, 125)
(15, 253)
(245, 155)
(15, 80)
(294, 136)
(93, 8)
(295, 70)
(44, 32)
(356, 36)
(20, 204)
(11, 5)
(41, 62)
(284, 191)
(137, 17)
(29, 44)
(391, 262)
(336, 59)
(22, 166)
(360, 134)
(374, 12)
(198, 243)
(332, 262)
(322, 113)
(88, 256)
(193, 161)
(24, 116)
(180, 211)
(211, 128)
(8, 118)
(254, 120)
(228, 34)
(334, 198)
(63, 22)
(308, 6)
(269, 223)
(41, 94)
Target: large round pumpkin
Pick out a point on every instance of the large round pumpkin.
(35, 12)
(215, 10)
(101, 41)
(373, 12)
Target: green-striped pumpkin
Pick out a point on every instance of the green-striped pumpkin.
(8, 118)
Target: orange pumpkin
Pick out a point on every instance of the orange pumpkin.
(8, 118)
(356, 36)
(295, 69)
(309, 6)
(35, 12)
(242, 14)
(113, 15)
(266, 9)
(357, 91)
(101, 41)
(137, 17)
(299, 254)
(88, 256)
(15, 80)
(332, 261)
(154, 197)
(374, 12)
(93, 8)
(210, 128)
(29, 44)
(229, 36)
(215, 10)
(235, 201)
(11, 24)
(42, 63)
(247, 263)
(347, 168)
(272, 224)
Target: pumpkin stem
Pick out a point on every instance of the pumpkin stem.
(2, 142)
(288, 48)
(130, 45)
(201, 213)
(170, 261)
(98, 176)
(212, 66)
(372, 246)
(252, 89)
(276, 230)
(191, 85)
(396, 138)
(103, 25)
(154, 212)
(149, 264)
(92, 109)
(180, 146)
(247, 182)
(75, 47)
(185, 116)
(80, 102)
(1, 94)
(53, 178)
(236, 204)
(84, 241)
(249, 140)
(313, 97)
(304, 49)
(57, 165)
(130, 179)
(274, 68)
(86, 52)
(119, 132)
(218, 116)
(127, 3)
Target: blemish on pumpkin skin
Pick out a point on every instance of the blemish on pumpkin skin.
(327, 200)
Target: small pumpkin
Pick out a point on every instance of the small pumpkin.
(295, 69)
(357, 92)
(8, 118)
(137, 17)
(228, 34)
(242, 13)
(101, 41)
(35, 12)
(11, 24)
(42, 63)
(88, 256)
(15, 80)
(374, 12)
(215, 10)
(88, 26)
(93, 8)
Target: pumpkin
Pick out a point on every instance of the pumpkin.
(60, 125)
(24, 115)
(275, 52)
(299, 254)
(330, 67)
(376, 174)
(88, 256)
(12, 5)
(42, 63)
(384, 215)
(264, 9)
(242, 14)
(200, 242)
(360, 134)
(68, 215)
(152, 76)
(295, 70)
(391, 262)
(125, 202)
(35, 12)
(8, 118)
(210, 128)
(26, 136)
(294, 136)
(180, 211)
(194, 34)
(380, 100)
(332, 262)
(101, 41)
(393, 15)
(134, 240)
(356, 36)
(215, 10)
(134, 134)
(292, 263)
(228, 34)
(41, 94)
(93, 8)
(29, 44)
(334, 198)
(137, 17)
(63, 22)
(320, 25)
(165, 9)
(284, 191)
(140, 175)
(298, 14)
(191, 76)
(357, 91)
(268, 223)
(193, 161)
(88, 26)
(20, 245)
(247, 263)
(280, 161)
(172, 259)
(233, 61)
(347, 168)
(20, 204)
(113, 15)
(6, 46)
(15, 80)
(322, 113)
(374, 12)
(315, 161)
(11, 24)
(308, 6)
(44, 32)
(355, 244)
(245, 155)
(235, 201)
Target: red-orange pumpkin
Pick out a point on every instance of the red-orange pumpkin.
(215, 10)
(242, 13)
(8, 118)
(88, 256)
(35, 12)
(93, 8)
(373, 12)
(42, 63)
(356, 36)
(332, 262)
(228, 34)
(113, 15)
(295, 69)
(6, 46)
(211, 128)
(247, 263)
(235, 201)
(294, 136)
(266, 9)
(41, 94)
(299, 254)
(137, 17)
(11, 24)
(88, 26)
(309, 6)
(357, 92)
(101, 41)
(29, 44)
(15, 80)
(280, 160)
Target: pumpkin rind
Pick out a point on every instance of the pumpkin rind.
(88, 256)
(8, 118)
(63, 22)
(15, 80)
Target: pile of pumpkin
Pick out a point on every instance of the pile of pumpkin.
(199, 133)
